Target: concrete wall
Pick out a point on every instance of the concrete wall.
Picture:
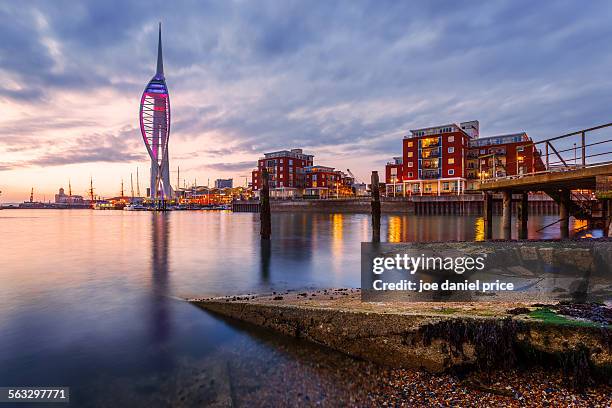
(468, 204)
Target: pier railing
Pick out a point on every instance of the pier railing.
(580, 149)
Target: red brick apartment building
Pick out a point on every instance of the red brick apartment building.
(292, 174)
(450, 159)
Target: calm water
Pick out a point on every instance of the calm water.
(91, 299)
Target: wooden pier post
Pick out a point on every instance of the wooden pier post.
(523, 215)
(564, 204)
(507, 214)
(264, 207)
(375, 208)
(488, 215)
(607, 209)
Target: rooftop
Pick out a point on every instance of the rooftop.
(499, 139)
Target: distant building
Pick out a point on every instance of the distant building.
(62, 198)
(293, 174)
(286, 171)
(451, 159)
(224, 183)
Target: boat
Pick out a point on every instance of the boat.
(135, 207)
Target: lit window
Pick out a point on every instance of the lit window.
(451, 139)
(451, 161)
(451, 150)
(410, 144)
(410, 154)
(409, 164)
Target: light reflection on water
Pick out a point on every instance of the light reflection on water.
(90, 295)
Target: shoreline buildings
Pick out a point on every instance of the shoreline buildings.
(155, 129)
(451, 159)
(293, 174)
(70, 199)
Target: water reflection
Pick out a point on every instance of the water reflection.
(337, 239)
(265, 254)
(479, 228)
(160, 317)
(395, 229)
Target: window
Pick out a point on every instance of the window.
(451, 172)
(410, 164)
(451, 150)
(291, 162)
(410, 144)
(451, 139)
(410, 154)
(451, 161)
(520, 148)
(410, 174)
(394, 171)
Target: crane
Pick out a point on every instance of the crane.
(358, 187)
(355, 181)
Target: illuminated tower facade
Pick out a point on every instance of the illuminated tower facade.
(155, 129)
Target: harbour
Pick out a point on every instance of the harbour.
(132, 289)
(291, 204)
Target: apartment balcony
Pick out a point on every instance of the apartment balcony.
(426, 154)
(430, 146)
(430, 174)
(431, 164)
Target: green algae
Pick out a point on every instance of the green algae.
(548, 316)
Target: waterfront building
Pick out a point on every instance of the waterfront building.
(321, 181)
(451, 159)
(293, 174)
(224, 183)
(286, 169)
(204, 196)
(155, 129)
(68, 199)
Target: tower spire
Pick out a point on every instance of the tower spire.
(160, 60)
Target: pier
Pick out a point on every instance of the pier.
(580, 186)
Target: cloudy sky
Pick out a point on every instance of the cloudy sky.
(344, 80)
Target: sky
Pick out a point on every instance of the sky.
(344, 80)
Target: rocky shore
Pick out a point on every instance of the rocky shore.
(437, 337)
